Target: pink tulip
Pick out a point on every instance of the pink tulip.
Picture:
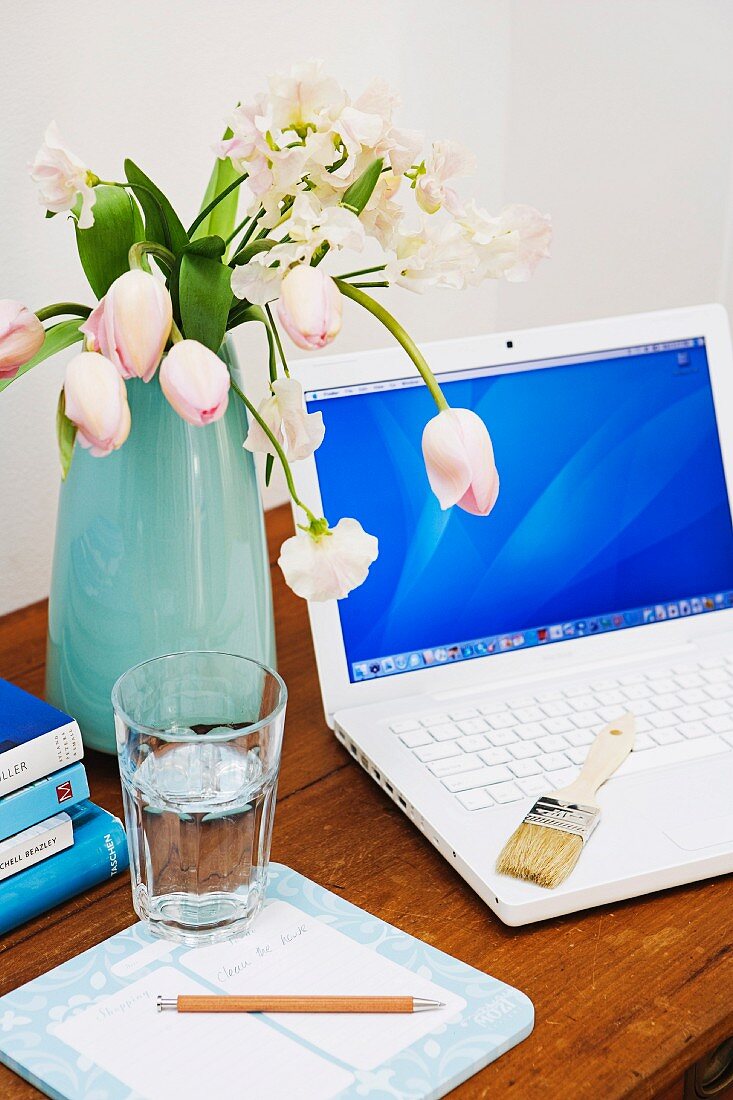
(131, 324)
(196, 382)
(459, 459)
(96, 401)
(310, 307)
(21, 336)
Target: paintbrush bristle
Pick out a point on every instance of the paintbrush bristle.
(539, 854)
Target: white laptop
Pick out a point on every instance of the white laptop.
(471, 670)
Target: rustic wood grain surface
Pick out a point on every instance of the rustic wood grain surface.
(626, 996)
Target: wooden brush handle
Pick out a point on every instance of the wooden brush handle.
(193, 1003)
(609, 750)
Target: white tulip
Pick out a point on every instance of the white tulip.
(329, 565)
(298, 432)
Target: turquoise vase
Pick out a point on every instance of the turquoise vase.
(160, 547)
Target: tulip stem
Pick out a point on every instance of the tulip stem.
(214, 202)
(384, 283)
(276, 334)
(362, 271)
(59, 309)
(149, 248)
(278, 451)
(402, 337)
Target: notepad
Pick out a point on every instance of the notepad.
(90, 1027)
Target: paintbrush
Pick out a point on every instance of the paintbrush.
(545, 847)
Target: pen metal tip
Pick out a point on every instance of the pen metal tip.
(423, 1004)
(164, 1003)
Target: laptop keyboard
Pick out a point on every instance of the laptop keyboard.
(498, 751)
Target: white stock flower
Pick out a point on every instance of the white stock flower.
(249, 124)
(304, 97)
(381, 217)
(309, 226)
(379, 98)
(328, 566)
(61, 177)
(401, 147)
(446, 160)
(298, 432)
(359, 133)
(437, 254)
(259, 281)
(510, 245)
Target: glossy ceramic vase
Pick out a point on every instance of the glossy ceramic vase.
(160, 547)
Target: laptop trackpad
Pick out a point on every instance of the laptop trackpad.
(690, 833)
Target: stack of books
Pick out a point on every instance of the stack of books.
(54, 842)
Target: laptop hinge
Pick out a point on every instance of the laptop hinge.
(576, 671)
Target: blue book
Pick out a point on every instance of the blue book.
(99, 853)
(35, 739)
(90, 1027)
(41, 841)
(42, 799)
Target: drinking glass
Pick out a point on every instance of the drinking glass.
(199, 737)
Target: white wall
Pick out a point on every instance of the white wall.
(613, 115)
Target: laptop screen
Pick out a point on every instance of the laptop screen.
(613, 510)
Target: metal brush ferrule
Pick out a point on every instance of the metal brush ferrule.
(567, 817)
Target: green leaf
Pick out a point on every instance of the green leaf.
(358, 195)
(204, 298)
(250, 250)
(162, 224)
(58, 337)
(212, 247)
(173, 287)
(103, 248)
(223, 217)
(65, 434)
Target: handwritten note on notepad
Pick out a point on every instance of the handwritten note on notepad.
(91, 1025)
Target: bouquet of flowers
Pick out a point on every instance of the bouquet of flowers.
(301, 174)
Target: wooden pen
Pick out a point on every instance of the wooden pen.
(295, 1004)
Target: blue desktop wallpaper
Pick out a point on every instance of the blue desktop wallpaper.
(612, 497)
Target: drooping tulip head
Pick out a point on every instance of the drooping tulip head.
(96, 401)
(196, 382)
(309, 307)
(21, 336)
(459, 460)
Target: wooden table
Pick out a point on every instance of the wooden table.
(626, 996)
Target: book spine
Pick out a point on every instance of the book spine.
(99, 853)
(37, 758)
(43, 799)
(35, 844)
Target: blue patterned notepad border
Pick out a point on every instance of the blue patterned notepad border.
(495, 1018)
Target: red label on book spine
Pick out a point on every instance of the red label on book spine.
(64, 791)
